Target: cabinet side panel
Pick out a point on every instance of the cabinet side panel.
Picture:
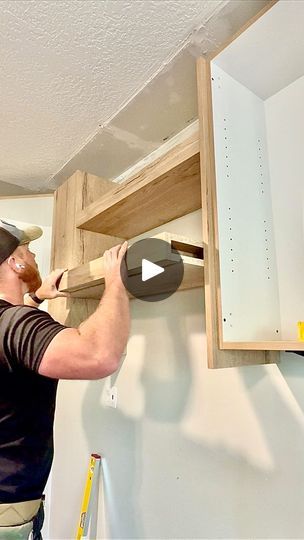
(72, 246)
(248, 269)
(216, 358)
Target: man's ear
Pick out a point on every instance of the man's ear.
(14, 265)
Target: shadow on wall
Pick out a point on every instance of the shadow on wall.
(117, 438)
(161, 483)
(166, 375)
(166, 380)
(281, 489)
(292, 369)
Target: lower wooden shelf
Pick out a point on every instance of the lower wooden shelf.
(263, 345)
(87, 280)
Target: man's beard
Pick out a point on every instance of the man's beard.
(31, 277)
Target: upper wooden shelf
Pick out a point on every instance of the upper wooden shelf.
(87, 280)
(164, 190)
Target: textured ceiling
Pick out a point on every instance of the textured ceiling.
(68, 67)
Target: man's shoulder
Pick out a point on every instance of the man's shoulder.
(5, 303)
(7, 307)
(20, 311)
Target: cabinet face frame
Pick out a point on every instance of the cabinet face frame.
(217, 347)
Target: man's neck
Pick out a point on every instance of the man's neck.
(13, 293)
(14, 299)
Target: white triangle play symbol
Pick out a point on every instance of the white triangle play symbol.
(150, 270)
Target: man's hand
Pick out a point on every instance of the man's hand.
(114, 264)
(49, 287)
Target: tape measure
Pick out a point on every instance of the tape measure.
(93, 468)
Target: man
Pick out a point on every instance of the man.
(36, 351)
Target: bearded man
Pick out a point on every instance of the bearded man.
(35, 352)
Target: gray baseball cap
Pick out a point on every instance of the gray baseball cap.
(11, 237)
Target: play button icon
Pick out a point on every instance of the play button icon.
(152, 270)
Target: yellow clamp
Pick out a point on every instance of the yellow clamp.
(301, 330)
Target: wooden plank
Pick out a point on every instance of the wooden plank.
(72, 247)
(264, 345)
(87, 280)
(249, 23)
(83, 276)
(164, 190)
(216, 358)
(193, 278)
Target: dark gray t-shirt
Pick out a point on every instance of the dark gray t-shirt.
(27, 402)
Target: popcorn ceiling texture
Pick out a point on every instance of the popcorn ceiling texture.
(67, 66)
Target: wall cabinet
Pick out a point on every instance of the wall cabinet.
(252, 113)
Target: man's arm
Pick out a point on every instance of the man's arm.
(94, 349)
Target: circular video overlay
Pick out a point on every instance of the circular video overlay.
(152, 270)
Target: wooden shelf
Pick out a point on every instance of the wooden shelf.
(164, 190)
(87, 280)
(263, 345)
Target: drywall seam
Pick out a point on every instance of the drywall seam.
(188, 41)
(163, 149)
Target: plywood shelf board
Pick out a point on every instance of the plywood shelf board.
(263, 345)
(87, 280)
(166, 189)
(193, 278)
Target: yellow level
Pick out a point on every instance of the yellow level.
(94, 460)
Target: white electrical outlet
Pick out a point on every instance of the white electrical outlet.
(110, 398)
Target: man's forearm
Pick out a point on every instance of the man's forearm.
(107, 329)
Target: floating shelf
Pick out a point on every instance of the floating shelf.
(87, 280)
(164, 190)
(263, 345)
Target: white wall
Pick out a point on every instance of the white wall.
(189, 452)
(36, 210)
(285, 121)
